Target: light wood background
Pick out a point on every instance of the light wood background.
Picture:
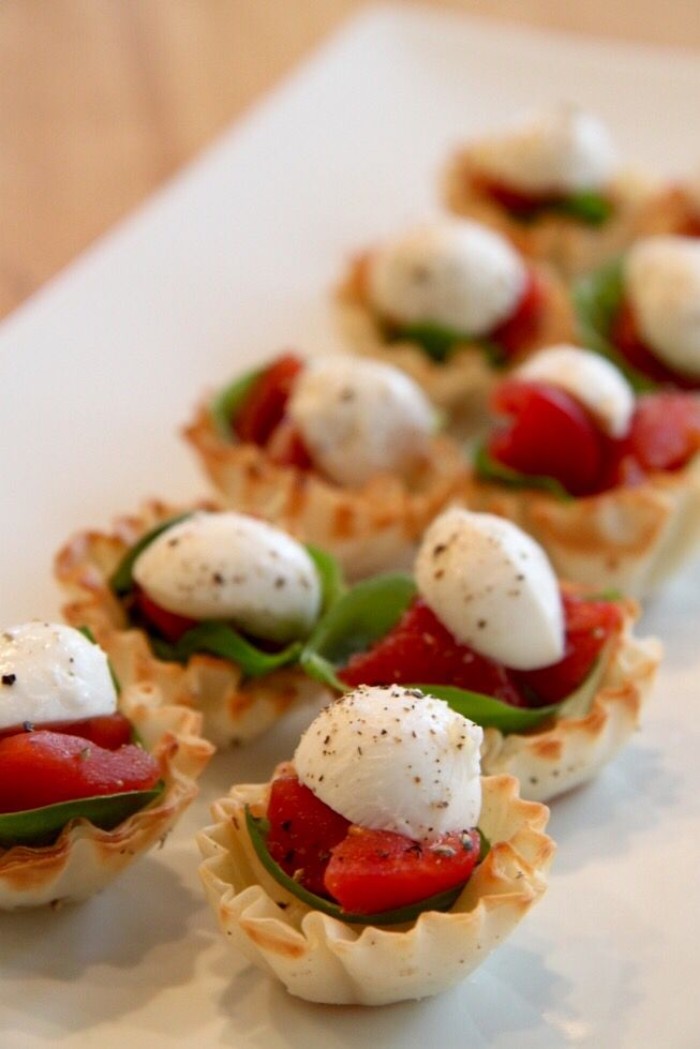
(101, 100)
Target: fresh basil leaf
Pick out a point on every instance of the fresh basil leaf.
(439, 342)
(489, 469)
(590, 208)
(220, 639)
(226, 404)
(597, 299)
(329, 574)
(36, 827)
(489, 712)
(363, 615)
(122, 579)
(441, 902)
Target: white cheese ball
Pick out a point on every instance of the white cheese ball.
(394, 759)
(493, 587)
(50, 672)
(228, 566)
(360, 418)
(560, 151)
(455, 273)
(662, 282)
(593, 381)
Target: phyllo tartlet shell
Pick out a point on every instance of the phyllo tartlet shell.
(632, 539)
(461, 384)
(234, 709)
(322, 959)
(570, 245)
(84, 859)
(372, 528)
(592, 727)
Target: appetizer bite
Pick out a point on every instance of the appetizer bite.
(607, 482)
(339, 452)
(674, 208)
(89, 779)
(211, 605)
(551, 183)
(450, 303)
(378, 866)
(552, 672)
(644, 312)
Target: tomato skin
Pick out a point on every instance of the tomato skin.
(513, 334)
(371, 871)
(42, 768)
(109, 731)
(626, 337)
(303, 830)
(420, 650)
(169, 625)
(589, 625)
(520, 204)
(549, 434)
(264, 407)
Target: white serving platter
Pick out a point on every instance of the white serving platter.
(231, 262)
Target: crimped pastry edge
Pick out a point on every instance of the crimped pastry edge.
(322, 959)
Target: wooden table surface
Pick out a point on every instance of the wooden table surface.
(101, 100)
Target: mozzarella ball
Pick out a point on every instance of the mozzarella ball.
(593, 381)
(394, 759)
(455, 273)
(360, 418)
(562, 151)
(662, 281)
(50, 672)
(227, 566)
(493, 588)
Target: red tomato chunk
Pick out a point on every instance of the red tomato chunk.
(420, 650)
(377, 870)
(43, 768)
(107, 730)
(262, 418)
(548, 434)
(365, 871)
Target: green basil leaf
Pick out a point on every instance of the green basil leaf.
(41, 826)
(122, 579)
(489, 712)
(441, 902)
(439, 342)
(590, 208)
(220, 639)
(363, 615)
(597, 299)
(329, 574)
(489, 469)
(225, 405)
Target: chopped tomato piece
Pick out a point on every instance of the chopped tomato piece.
(548, 434)
(664, 436)
(420, 650)
(169, 625)
(110, 731)
(520, 204)
(589, 625)
(374, 870)
(264, 407)
(43, 768)
(627, 338)
(303, 830)
(522, 325)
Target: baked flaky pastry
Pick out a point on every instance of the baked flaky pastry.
(370, 528)
(322, 959)
(568, 244)
(461, 383)
(672, 209)
(235, 709)
(84, 858)
(631, 539)
(590, 728)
